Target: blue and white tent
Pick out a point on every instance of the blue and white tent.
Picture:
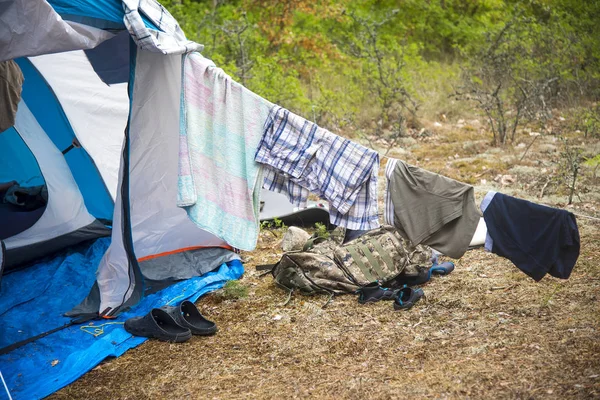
(98, 125)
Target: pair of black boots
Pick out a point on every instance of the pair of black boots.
(171, 324)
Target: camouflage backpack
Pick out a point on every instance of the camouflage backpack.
(328, 267)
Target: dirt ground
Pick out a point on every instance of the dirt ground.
(484, 331)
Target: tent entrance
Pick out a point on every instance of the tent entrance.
(23, 191)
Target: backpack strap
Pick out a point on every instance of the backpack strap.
(312, 241)
(353, 250)
(372, 260)
(287, 289)
(383, 254)
(265, 267)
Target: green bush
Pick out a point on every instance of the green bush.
(319, 60)
(234, 290)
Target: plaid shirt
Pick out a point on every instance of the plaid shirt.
(169, 40)
(301, 157)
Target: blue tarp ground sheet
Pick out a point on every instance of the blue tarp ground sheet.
(33, 300)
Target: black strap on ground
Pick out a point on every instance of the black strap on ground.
(77, 321)
(265, 267)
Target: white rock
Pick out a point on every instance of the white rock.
(294, 239)
(534, 134)
(437, 124)
(506, 180)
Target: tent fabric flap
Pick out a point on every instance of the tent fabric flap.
(158, 226)
(31, 28)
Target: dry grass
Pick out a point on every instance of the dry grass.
(485, 331)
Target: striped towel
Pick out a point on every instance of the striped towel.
(221, 127)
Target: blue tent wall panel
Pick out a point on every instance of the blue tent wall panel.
(110, 59)
(92, 12)
(17, 163)
(103, 14)
(42, 102)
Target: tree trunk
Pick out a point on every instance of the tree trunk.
(573, 186)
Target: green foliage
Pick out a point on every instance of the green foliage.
(279, 223)
(321, 230)
(594, 163)
(570, 166)
(523, 70)
(363, 66)
(587, 119)
(383, 71)
(275, 224)
(234, 290)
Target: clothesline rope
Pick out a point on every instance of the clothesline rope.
(586, 216)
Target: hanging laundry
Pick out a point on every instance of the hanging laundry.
(221, 127)
(11, 82)
(388, 207)
(164, 36)
(300, 157)
(536, 238)
(430, 209)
